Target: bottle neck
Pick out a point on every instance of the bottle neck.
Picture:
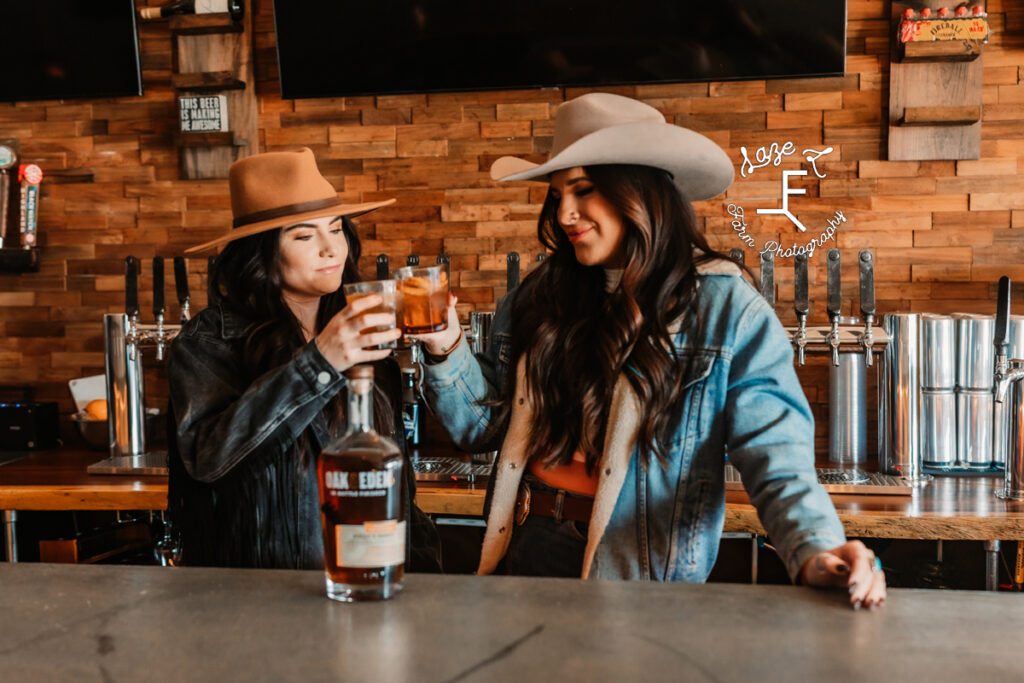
(360, 405)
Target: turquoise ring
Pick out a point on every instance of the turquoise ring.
(876, 564)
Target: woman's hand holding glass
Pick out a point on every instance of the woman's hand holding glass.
(852, 566)
(348, 338)
(440, 343)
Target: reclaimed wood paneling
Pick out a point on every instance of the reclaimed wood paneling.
(942, 231)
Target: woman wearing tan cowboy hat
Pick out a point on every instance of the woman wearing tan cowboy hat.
(255, 378)
(624, 370)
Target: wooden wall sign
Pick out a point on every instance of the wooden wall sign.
(212, 54)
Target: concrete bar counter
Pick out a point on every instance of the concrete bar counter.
(124, 623)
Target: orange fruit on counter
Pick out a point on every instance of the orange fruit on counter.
(97, 409)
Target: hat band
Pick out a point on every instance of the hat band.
(285, 211)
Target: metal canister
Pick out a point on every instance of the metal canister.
(975, 361)
(899, 390)
(1001, 411)
(847, 410)
(938, 428)
(938, 352)
(974, 428)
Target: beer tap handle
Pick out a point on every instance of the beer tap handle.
(211, 294)
(800, 303)
(835, 292)
(867, 300)
(131, 287)
(412, 260)
(834, 302)
(383, 267)
(158, 304)
(768, 277)
(445, 260)
(867, 285)
(158, 288)
(181, 286)
(512, 270)
(737, 255)
(1002, 323)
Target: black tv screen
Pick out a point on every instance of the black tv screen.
(65, 49)
(329, 48)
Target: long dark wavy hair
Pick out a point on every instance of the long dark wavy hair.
(578, 339)
(246, 276)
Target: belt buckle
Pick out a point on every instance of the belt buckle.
(523, 504)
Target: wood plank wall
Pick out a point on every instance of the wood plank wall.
(942, 231)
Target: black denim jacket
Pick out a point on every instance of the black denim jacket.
(239, 494)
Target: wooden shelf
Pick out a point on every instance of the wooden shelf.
(207, 81)
(940, 116)
(935, 91)
(216, 139)
(942, 51)
(18, 260)
(204, 24)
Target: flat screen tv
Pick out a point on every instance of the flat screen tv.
(329, 48)
(66, 49)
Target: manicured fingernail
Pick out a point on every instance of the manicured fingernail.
(856, 605)
(853, 587)
(843, 569)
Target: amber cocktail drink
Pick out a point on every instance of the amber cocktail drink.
(424, 298)
(388, 291)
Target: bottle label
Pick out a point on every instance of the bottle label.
(411, 420)
(370, 544)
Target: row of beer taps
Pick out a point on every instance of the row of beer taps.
(836, 335)
(159, 333)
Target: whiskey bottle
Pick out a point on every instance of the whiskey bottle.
(362, 507)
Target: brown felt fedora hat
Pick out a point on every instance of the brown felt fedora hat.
(601, 128)
(274, 189)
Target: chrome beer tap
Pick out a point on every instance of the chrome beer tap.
(383, 267)
(800, 304)
(181, 286)
(1005, 372)
(835, 303)
(131, 304)
(867, 302)
(160, 335)
(768, 277)
(1008, 380)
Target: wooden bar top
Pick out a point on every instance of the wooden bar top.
(57, 480)
(950, 508)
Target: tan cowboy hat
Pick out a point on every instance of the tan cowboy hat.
(601, 128)
(279, 188)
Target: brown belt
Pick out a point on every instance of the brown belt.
(558, 506)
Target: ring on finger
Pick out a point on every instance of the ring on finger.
(876, 564)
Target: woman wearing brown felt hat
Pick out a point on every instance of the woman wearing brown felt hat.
(255, 378)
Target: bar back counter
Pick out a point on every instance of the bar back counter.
(123, 623)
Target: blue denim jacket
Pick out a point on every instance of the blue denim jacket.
(742, 397)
